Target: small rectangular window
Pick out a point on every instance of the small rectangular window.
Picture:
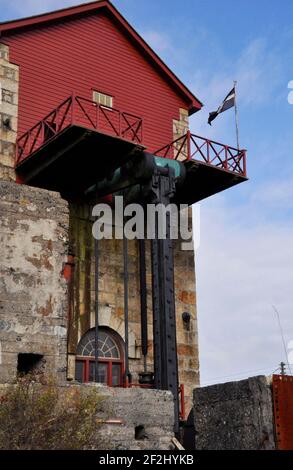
(9, 73)
(7, 96)
(104, 100)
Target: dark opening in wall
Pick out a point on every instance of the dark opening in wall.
(27, 363)
(140, 433)
(186, 317)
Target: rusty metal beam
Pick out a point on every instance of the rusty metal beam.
(283, 411)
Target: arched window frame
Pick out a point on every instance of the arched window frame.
(89, 361)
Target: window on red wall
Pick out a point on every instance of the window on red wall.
(110, 352)
(103, 99)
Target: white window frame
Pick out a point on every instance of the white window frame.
(103, 99)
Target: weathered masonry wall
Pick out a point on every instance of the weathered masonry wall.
(180, 128)
(111, 298)
(33, 292)
(187, 333)
(145, 419)
(234, 416)
(132, 419)
(181, 125)
(9, 81)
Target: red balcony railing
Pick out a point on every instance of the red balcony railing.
(193, 147)
(79, 111)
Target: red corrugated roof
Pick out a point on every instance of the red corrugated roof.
(15, 26)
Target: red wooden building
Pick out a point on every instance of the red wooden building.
(74, 58)
(92, 48)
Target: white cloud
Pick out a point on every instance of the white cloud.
(245, 260)
(242, 269)
(34, 7)
(160, 42)
(257, 72)
(276, 194)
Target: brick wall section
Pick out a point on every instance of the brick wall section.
(234, 416)
(111, 287)
(33, 292)
(187, 338)
(180, 128)
(9, 80)
(111, 298)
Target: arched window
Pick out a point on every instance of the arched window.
(110, 370)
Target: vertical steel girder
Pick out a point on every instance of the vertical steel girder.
(127, 377)
(164, 317)
(143, 301)
(96, 310)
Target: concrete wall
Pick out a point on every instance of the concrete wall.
(33, 292)
(127, 420)
(151, 410)
(9, 81)
(235, 415)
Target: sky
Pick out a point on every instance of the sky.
(244, 264)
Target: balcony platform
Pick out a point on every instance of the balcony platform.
(74, 160)
(81, 142)
(76, 145)
(211, 167)
(203, 180)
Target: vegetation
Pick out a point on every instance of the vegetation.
(37, 414)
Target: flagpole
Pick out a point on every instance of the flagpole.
(236, 117)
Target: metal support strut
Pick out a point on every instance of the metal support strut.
(125, 269)
(96, 310)
(143, 302)
(164, 318)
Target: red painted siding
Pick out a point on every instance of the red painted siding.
(91, 53)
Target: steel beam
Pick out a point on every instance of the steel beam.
(164, 316)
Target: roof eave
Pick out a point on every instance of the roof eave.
(12, 26)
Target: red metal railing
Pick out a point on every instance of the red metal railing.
(194, 147)
(76, 110)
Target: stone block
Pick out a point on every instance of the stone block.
(234, 416)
